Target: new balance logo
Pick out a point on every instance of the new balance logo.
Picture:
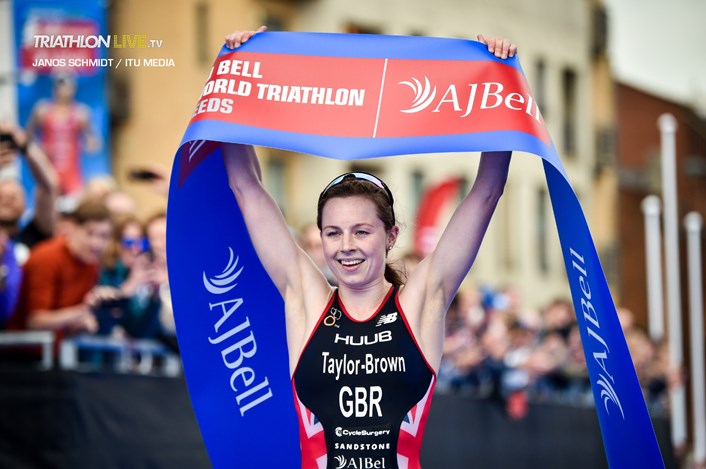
(387, 319)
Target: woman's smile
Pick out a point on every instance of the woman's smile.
(354, 238)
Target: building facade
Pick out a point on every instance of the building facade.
(639, 169)
(521, 248)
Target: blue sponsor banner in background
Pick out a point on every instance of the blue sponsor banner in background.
(39, 64)
(229, 316)
(230, 325)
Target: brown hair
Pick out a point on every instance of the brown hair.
(158, 215)
(112, 253)
(90, 210)
(350, 187)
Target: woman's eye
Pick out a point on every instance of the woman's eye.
(361, 233)
(331, 234)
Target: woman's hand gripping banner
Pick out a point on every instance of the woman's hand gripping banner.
(352, 97)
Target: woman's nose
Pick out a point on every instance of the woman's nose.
(347, 242)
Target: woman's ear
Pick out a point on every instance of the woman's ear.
(392, 237)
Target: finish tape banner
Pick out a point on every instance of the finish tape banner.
(352, 97)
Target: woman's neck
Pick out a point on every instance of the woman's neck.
(361, 302)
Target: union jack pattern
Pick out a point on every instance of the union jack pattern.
(311, 433)
(412, 431)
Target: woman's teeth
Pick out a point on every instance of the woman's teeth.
(351, 263)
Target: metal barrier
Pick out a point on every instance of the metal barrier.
(141, 356)
(23, 339)
(86, 352)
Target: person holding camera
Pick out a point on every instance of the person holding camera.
(16, 239)
(59, 290)
(129, 266)
(14, 143)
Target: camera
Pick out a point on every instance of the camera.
(7, 140)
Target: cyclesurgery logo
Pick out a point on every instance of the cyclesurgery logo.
(423, 95)
(225, 281)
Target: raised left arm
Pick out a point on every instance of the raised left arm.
(433, 283)
(460, 242)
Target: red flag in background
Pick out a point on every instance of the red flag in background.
(436, 201)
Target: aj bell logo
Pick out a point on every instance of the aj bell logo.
(359, 463)
(194, 147)
(423, 95)
(468, 97)
(225, 281)
(608, 394)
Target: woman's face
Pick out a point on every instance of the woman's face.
(157, 236)
(354, 240)
(131, 243)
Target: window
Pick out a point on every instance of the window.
(203, 49)
(568, 88)
(417, 188)
(357, 28)
(540, 87)
(542, 231)
(274, 21)
(275, 181)
(507, 230)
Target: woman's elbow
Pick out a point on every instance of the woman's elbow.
(490, 195)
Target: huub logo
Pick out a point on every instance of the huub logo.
(225, 281)
(423, 95)
(341, 461)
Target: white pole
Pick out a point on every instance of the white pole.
(668, 128)
(653, 257)
(693, 223)
(8, 78)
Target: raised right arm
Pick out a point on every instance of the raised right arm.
(44, 174)
(47, 186)
(289, 267)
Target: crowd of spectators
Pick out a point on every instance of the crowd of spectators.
(90, 266)
(496, 347)
(79, 265)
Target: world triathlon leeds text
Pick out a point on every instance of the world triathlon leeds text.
(243, 78)
(280, 93)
